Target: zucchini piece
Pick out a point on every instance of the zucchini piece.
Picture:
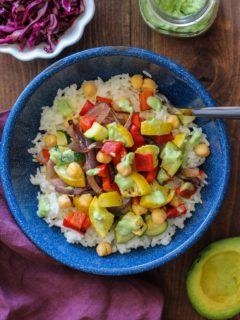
(186, 120)
(154, 230)
(97, 132)
(62, 138)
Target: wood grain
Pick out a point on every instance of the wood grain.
(214, 58)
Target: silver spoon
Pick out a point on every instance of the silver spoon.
(215, 112)
(208, 112)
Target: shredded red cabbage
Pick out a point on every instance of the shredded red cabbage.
(29, 23)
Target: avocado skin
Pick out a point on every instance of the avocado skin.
(193, 290)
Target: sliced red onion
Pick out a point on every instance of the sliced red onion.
(118, 210)
(71, 131)
(93, 184)
(72, 191)
(95, 145)
(58, 183)
(75, 147)
(51, 174)
(128, 122)
(100, 112)
(79, 191)
(40, 158)
(192, 175)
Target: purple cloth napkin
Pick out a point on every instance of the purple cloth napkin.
(33, 286)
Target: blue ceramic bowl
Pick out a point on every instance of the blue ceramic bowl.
(22, 126)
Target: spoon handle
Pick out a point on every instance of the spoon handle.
(217, 112)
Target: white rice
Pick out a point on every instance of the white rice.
(51, 121)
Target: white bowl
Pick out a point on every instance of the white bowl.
(71, 36)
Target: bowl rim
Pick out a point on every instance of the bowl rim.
(68, 38)
(50, 71)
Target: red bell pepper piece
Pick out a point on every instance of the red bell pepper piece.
(143, 99)
(106, 178)
(163, 139)
(67, 219)
(187, 193)
(86, 122)
(136, 200)
(177, 211)
(136, 121)
(112, 147)
(88, 105)
(46, 154)
(105, 100)
(143, 162)
(86, 224)
(135, 131)
(119, 156)
(137, 137)
(106, 183)
(103, 170)
(78, 221)
(115, 187)
(115, 149)
(151, 175)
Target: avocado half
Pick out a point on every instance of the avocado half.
(213, 282)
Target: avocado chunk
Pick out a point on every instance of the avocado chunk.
(117, 132)
(43, 206)
(213, 282)
(155, 103)
(63, 107)
(154, 200)
(171, 157)
(63, 155)
(154, 230)
(162, 176)
(194, 140)
(129, 226)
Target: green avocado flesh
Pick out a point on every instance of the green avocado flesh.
(213, 283)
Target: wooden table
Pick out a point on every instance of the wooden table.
(213, 58)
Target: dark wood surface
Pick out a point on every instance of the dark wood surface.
(213, 58)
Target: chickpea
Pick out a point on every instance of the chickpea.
(74, 170)
(158, 216)
(149, 84)
(173, 119)
(89, 89)
(202, 150)
(124, 170)
(64, 201)
(83, 201)
(50, 140)
(137, 81)
(103, 157)
(104, 249)
(139, 210)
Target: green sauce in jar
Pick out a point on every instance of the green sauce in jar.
(183, 18)
(177, 8)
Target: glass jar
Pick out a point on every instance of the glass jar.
(180, 18)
